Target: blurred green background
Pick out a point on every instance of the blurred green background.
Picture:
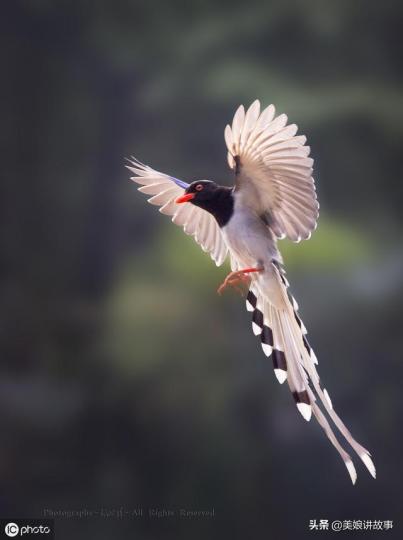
(125, 380)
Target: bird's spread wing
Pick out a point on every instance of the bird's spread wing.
(273, 170)
(164, 190)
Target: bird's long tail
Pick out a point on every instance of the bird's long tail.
(283, 337)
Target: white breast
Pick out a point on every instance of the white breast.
(248, 238)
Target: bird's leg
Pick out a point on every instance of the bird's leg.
(235, 278)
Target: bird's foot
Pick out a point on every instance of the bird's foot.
(234, 279)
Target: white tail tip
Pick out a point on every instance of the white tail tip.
(351, 471)
(249, 306)
(369, 464)
(281, 375)
(267, 349)
(305, 410)
(256, 329)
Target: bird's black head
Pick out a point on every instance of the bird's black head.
(217, 200)
(200, 193)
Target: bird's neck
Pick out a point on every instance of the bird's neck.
(221, 206)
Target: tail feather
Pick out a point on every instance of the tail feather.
(308, 360)
(262, 325)
(298, 380)
(320, 417)
(283, 337)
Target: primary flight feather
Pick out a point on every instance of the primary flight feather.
(273, 197)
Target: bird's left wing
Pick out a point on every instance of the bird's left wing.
(195, 221)
(273, 170)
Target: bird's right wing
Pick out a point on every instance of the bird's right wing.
(195, 221)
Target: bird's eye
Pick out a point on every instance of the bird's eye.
(199, 187)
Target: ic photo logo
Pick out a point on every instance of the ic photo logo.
(27, 528)
(12, 529)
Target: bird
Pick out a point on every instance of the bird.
(273, 197)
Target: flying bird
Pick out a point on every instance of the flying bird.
(273, 197)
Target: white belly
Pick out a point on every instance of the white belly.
(249, 240)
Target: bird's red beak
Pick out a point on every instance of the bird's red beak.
(185, 198)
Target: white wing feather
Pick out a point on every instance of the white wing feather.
(164, 190)
(274, 172)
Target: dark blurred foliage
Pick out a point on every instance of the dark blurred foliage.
(124, 380)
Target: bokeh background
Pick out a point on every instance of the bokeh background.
(124, 380)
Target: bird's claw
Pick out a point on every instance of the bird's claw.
(234, 279)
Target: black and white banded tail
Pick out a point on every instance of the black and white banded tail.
(283, 337)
